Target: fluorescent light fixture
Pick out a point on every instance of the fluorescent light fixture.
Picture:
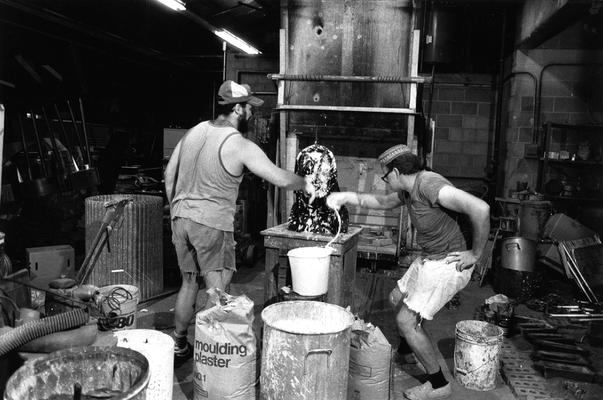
(236, 42)
(176, 5)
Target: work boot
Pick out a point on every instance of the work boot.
(427, 392)
(182, 355)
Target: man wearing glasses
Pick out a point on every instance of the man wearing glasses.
(445, 265)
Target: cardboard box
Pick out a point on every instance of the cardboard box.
(50, 262)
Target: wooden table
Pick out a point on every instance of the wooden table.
(278, 240)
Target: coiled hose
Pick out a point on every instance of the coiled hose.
(32, 330)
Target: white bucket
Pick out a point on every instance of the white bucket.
(118, 305)
(476, 354)
(158, 348)
(310, 270)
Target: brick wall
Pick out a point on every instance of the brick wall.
(463, 111)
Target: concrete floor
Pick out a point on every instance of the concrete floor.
(158, 315)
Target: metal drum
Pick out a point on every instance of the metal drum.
(306, 351)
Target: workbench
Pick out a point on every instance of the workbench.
(278, 240)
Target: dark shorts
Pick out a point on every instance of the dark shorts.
(202, 249)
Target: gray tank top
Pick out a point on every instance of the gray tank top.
(206, 192)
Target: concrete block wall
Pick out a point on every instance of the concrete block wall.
(463, 110)
(569, 94)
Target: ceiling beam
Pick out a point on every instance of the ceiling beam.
(543, 20)
(76, 26)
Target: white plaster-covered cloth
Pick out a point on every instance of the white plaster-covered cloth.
(429, 284)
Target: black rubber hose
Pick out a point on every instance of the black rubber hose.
(32, 330)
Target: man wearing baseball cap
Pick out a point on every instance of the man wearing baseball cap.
(202, 181)
(445, 265)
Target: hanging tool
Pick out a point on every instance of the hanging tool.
(62, 171)
(45, 185)
(79, 179)
(87, 176)
(86, 146)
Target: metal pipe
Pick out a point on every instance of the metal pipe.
(286, 107)
(87, 148)
(74, 122)
(535, 79)
(53, 142)
(66, 136)
(39, 143)
(575, 315)
(544, 68)
(224, 54)
(348, 78)
(25, 149)
(498, 111)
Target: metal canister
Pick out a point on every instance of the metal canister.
(504, 323)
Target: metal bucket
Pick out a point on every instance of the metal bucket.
(476, 354)
(306, 351)
(518, 253)
(112, 372)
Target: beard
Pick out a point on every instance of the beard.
(243, 123)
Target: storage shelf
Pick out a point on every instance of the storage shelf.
(570, 162)
(574, 198)
(586, 173)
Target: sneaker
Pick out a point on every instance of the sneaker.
(427, 392)
(181, 355)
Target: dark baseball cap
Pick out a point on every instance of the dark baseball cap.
(232, 93)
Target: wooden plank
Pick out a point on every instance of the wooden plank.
(271, 265)
(349, 279)
(412, 102)
(281, 204)
(366, 220)
(292, 150)
(393, 213)
(1, 137)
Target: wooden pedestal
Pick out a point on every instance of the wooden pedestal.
(278, 240)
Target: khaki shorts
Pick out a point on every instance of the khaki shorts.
(429, 284)
(201, 249)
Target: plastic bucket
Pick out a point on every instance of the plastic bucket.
(123, 373)
(306, 351)
(158, 348)
(476, 353)
(310, 270)
(118, 307)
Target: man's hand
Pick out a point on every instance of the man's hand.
(463, 259)
(336, 199)
(309, 188)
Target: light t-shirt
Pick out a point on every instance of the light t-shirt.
(438, 233)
